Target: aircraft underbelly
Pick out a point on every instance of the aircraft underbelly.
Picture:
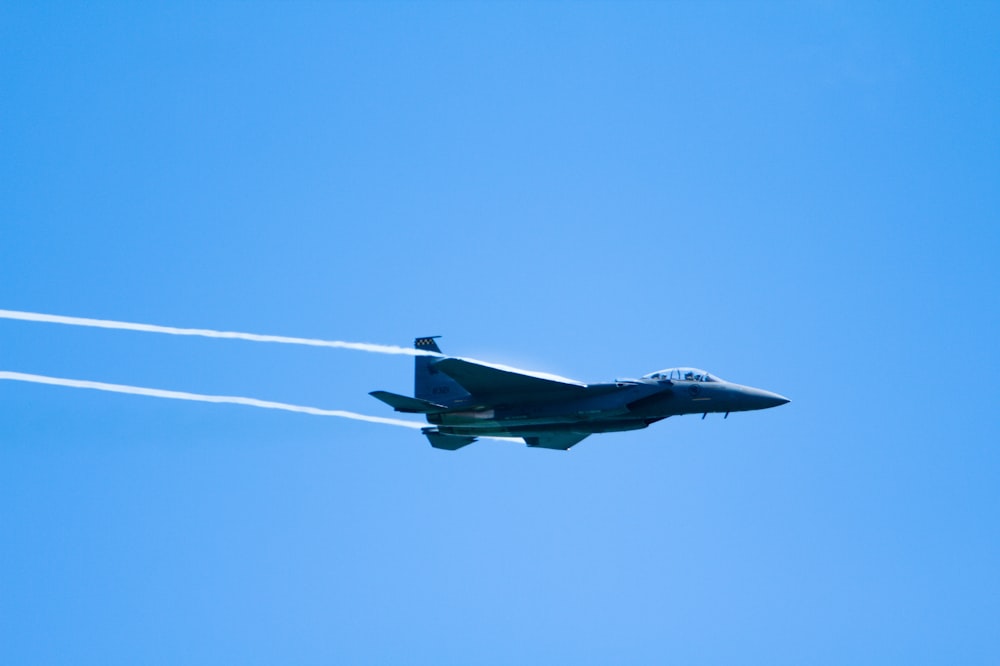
(499, 418)
(523, 429)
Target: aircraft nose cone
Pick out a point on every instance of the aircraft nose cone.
(779, 400)
(769, 399)
(761, 399)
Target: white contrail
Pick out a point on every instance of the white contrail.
(197, 397)
(256, 337)
(207, 333)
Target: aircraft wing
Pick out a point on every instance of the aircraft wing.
(498, 382)
(557, 440)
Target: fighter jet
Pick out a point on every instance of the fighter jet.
(464, 399)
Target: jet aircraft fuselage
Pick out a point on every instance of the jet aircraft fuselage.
(464, 399)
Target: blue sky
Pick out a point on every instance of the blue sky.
(796, 196)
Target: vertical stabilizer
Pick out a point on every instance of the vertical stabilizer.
(428, 344)
(431, 384)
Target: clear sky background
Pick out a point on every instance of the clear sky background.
(797, 196)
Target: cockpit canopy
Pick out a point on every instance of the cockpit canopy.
(682, 374)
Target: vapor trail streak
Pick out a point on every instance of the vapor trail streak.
(256, 337)
(207, 333)
(179, 395)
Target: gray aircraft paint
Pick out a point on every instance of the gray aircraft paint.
(463, 400)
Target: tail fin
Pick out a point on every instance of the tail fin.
(431, 384)
(428, 344)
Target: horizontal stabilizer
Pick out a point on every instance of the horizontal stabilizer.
(447, 442)
(559, 440)
(403, 403)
